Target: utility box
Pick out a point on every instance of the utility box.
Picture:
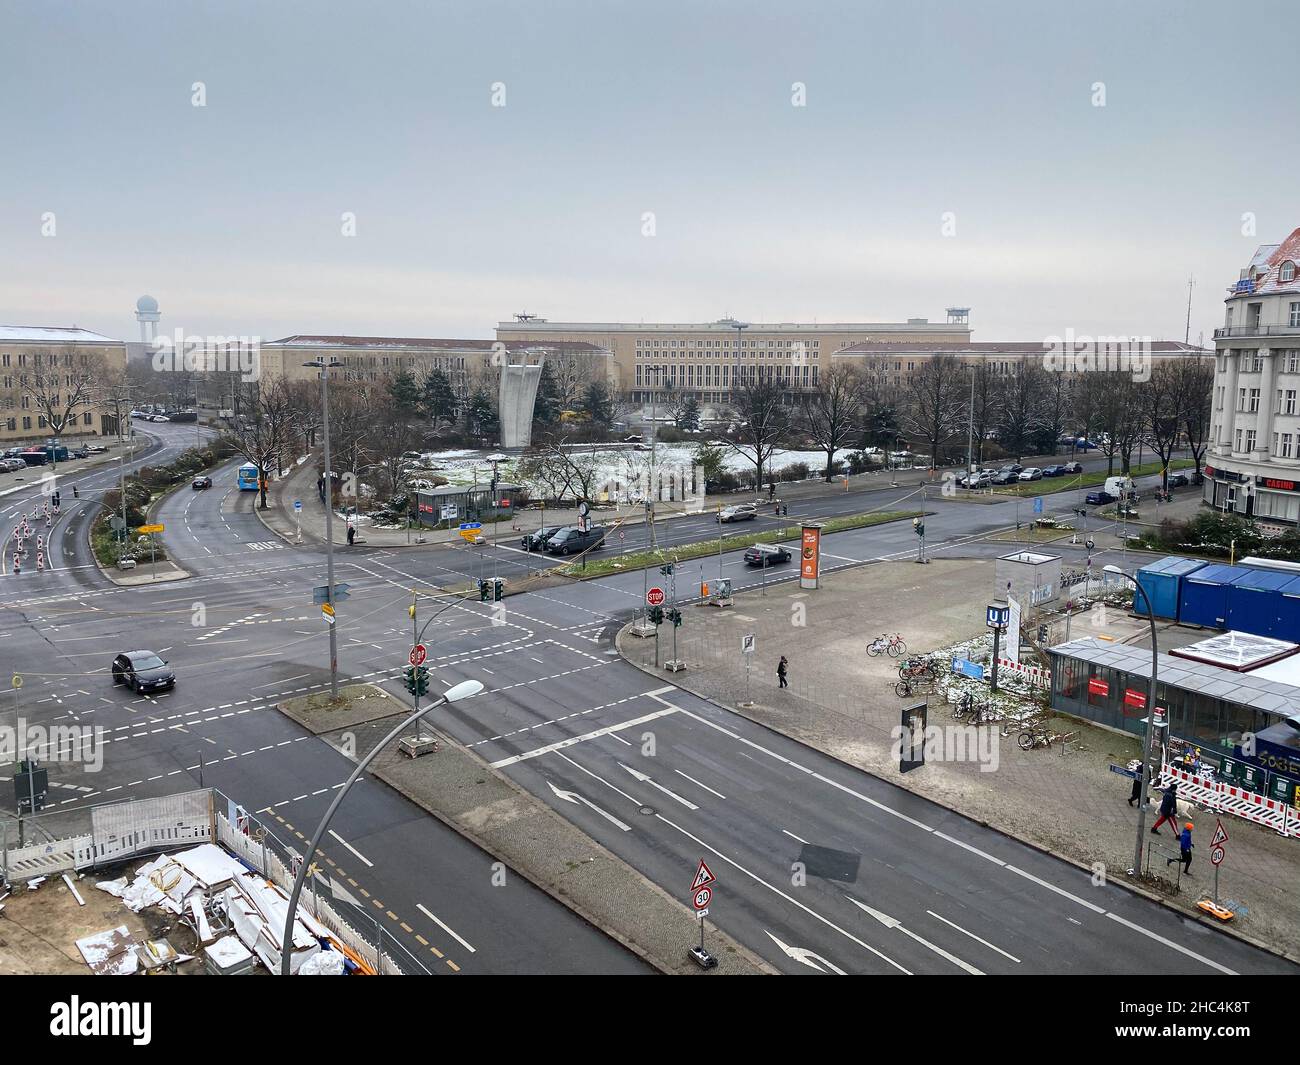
(1030, 577)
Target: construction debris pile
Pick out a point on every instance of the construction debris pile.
(237, 917)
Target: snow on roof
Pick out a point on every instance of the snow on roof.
(51, 334)
(1265, 268)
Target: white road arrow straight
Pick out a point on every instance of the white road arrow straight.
(894, 922)
(574, 797)
(806, 957)
(671, 794)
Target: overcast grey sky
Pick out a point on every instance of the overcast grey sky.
(1067, 215)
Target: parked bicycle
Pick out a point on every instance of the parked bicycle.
(918, 667)
(967, 709)
(909, 686)
(885, 644)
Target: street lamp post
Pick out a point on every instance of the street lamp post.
(495, 459)
(1150, 719)
(324, 368)
(466, 689)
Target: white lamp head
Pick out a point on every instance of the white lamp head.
(466, 689)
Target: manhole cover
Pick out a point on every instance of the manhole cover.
(647, 811)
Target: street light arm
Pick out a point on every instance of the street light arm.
(286, 941)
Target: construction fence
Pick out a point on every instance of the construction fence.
(83, 839)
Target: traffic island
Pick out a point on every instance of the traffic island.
(462, 791)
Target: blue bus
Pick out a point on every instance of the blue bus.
(247, 477)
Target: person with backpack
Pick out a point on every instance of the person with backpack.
(781, 672)
(1185, 848)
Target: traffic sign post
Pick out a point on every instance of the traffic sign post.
(701, 895)
(297, 521)
(655, 597)
(1217, 854)
(418, 654)
(747, 647)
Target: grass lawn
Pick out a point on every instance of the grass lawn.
(600, 567)
(1051, 485)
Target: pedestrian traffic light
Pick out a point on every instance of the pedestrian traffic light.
(422, 680)
(483, 591)
(656, 615)
(498, 589)
(408, 678)
(919, 526)
(675, 616)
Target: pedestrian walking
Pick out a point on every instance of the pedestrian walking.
(1137, 786)
(1185, 848)
(352, 534)
(771, 491)
(1168, 809)
(781, 671)
(75, 494)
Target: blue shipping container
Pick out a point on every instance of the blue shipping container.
(1160, 580)
(1255, 603)
(1288, 627)
(1203, 595)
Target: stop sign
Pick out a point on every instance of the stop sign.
(655, 597)
(418, 654)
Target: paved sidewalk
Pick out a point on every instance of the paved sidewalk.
(840, 701)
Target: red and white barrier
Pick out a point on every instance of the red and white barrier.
(1222, 797)
(1039, 678)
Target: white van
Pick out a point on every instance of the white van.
(1119, 487)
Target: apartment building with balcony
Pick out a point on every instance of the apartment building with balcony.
(1254, 462)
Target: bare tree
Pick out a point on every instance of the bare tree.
(393, 435)
(1160, 402)
(832, 412)
(934, 404)
(1022, 417)
(60, 386)
(265, 429)
(988, 404)
(763, 419)
(1196, 384)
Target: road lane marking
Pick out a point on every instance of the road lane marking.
(699, 785)
(421, 907)
(345, 843)
(793, 836)
(1172, 945)
(973, 936)
(571, 741)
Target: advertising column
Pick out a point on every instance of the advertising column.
(810, 547)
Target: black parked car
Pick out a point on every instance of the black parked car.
(1007, 475)
(766, 555)
(537, 541)
(142, 670)
(570, 540)
(1053, 471)
(1071, 467)
(1179, 480)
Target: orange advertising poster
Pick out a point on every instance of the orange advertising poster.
(810, 556)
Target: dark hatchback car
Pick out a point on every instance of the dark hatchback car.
(570, 540)
(142, 670)
(537, 541)
(766, 555)
(1007, 475)
(1053, 471)
(201, 483)
(1179, 480)
(1099, 499)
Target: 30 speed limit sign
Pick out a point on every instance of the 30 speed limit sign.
(701, 899)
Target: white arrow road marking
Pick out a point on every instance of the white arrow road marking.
(671, 794)
(894, 922)
(806, 957)
(574, 797)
